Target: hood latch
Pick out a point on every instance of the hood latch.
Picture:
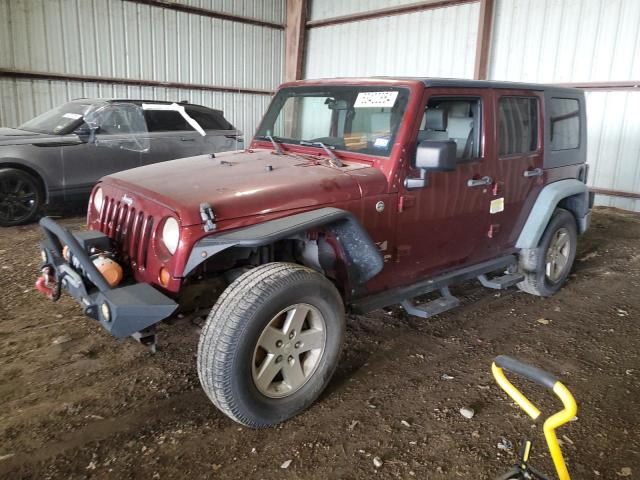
(208, 217)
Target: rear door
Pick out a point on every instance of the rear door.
(170, 137)
(221, 136)
(518, 174)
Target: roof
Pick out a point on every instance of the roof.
(449, 82)
(139, 102)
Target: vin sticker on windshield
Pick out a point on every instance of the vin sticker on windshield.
(72, 116)
(381, 142)
(375, 100)
(497, 205)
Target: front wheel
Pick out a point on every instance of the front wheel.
(20, 197)
(271, 343)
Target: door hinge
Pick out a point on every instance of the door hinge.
(406, 201)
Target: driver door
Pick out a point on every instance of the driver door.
(444, 224)
(116, 145)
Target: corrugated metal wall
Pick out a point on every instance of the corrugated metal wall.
(127, 39)
(556, 41)
(321, 9)
(438, 43)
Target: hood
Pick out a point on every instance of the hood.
(245, 183)
(14, 136)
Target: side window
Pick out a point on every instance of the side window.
(517, 125)
(208, 119)
(165, 121)
(564, 123)
(118, 120)
(457, 119)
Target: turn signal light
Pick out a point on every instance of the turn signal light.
(164, 277)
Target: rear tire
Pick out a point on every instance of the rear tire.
(256, 360)
(547, 267)
(20, 197)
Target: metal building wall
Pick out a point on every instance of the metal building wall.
(439, 42)
(555, 41)
(321, 9)
(119, 38)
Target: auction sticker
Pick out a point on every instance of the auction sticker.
(497, 205)
(375, 99)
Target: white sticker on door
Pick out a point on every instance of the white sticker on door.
(497, 205)
(375, 99)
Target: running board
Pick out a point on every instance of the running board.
(500, 283)
(434, 307)
(397, 295)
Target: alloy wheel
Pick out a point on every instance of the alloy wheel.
(289, 350)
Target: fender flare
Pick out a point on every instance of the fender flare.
(576, 195)
(364, 260)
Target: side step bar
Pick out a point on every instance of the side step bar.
(502, 282)
(434, 307)
(403, 295)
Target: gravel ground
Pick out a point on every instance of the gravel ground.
(77, 403)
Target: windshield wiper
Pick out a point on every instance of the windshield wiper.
(336, 161)
(276, 145)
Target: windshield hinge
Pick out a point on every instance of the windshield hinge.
(208, 217)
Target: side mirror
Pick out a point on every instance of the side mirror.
(432, 155)
(88, 130)
(436, 155)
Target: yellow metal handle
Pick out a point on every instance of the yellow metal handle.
(514, 393)
(552, 423)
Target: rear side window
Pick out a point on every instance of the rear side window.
(165, 121)
(208, 119)
(564, 119)
(517, 125)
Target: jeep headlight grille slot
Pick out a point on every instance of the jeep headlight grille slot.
(129, 228)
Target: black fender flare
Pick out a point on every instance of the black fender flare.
(364, 260)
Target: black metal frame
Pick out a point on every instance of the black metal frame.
(131, 308)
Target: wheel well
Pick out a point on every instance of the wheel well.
(576, 205)
(41, 183)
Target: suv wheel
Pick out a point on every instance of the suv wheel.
(20, 197)
(547, 267)
(271, 343)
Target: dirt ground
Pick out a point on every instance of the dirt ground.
(77, 403)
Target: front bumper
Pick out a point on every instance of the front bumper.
(122, 311)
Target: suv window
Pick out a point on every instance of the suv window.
(517, 125)
(564, 123)
(119, 119)
(165, 121)
(208, 119)
(456, 119)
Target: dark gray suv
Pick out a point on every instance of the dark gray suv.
(57, 157)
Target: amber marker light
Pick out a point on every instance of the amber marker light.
(164, 277)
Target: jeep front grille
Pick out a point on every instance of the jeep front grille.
(128, 228)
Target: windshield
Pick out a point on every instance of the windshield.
(356, 119)
(57, 121)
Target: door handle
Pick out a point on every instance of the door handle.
(186, 139)
(536, 172)
(472, 182)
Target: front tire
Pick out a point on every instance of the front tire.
(547, 267)
(271, 343)
(20, 197)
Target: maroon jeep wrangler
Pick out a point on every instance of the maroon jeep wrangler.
(355, 194)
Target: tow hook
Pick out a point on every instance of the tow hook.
(46, 283)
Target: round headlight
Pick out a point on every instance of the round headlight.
(171, 234)
(97, 199)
